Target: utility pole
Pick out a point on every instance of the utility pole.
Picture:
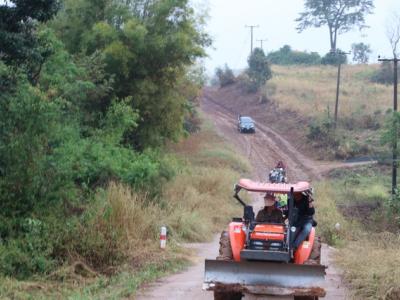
(337, 86)
(261, 42)
(251, 30)
(395, 61)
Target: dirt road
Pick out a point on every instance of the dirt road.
(263, 150)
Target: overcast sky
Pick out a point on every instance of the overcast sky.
(227, 20)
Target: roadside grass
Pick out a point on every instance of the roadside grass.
(121, 286)
(124, 225)
(371, 265)
(368, 237)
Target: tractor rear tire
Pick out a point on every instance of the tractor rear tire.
(225, 253)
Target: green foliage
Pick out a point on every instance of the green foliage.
(385, 74)
(259, 70)
(287, 56)
(391, 131)
(146, 50)
(28, 254)
(322, 130)
(225, 76)
(190, 86)
(361, 52)
(247, 84)
(91, 106)
(340, 16)
(18, 43)
(334, 58)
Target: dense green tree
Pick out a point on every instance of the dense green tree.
(146, 47)
(259, 70)
(361, 52)
(339, 15)
(19, 43)
(225, 76)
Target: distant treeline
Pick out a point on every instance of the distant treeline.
(287, 56)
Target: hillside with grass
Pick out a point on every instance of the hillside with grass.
(299, 101)
(310, 92)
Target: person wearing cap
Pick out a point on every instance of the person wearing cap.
(269, 214)
(305, 212)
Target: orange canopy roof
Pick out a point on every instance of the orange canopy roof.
(254, 186)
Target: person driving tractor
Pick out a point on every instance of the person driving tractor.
(304, 204)
(269, 214)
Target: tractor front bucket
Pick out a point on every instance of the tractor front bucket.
(265, 277)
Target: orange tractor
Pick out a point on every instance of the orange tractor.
(257, 259)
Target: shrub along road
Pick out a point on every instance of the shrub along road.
(263, 150)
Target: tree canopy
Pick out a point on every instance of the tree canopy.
(257, 73)
(339, 15)
(18, 42)
(361, 52)
(259, 66)
(146, 50)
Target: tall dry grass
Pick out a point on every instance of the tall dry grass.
(311, 90)
(369, 259)
(196, 203)
(371, 264)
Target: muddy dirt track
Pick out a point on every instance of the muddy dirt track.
(263, 150)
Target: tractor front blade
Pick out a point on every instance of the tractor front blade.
(264, 276)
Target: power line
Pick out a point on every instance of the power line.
(251, 31)
(338, 52)
(395, 61)
(261, 42)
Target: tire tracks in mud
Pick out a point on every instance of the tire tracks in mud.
(267, 146)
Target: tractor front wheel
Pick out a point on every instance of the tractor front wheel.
(225, 253)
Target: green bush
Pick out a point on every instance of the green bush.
(247, 84)
(333, 58)
(384, 75)
(225, 76)
(29, 253)
(287, 56)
